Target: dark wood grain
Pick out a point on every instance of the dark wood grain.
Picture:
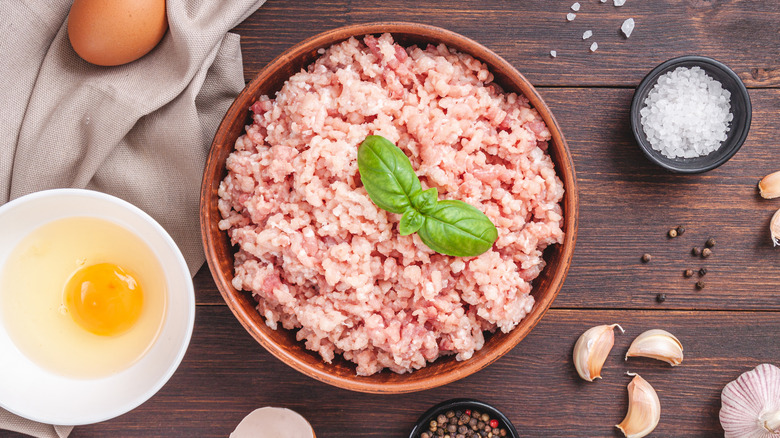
(226, 374)
(741, 33)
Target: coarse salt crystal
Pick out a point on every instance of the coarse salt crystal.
(619, 2)
(575, 7)
(686, 114)
(570, 16)
(627, 27)
(594, 47)
(587, 34)
(553, 53)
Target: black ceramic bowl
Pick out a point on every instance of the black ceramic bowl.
(738, 129)
(462, 404)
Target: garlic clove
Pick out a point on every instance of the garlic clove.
(769, 186)
(271, 422)
(592, 349)
(750, 405)
(657, 344)
(644, 409)
(774, 228)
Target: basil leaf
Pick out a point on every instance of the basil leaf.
(458, 229)
(411, 221)
(424, 201)
(387, 174)
(448, 227)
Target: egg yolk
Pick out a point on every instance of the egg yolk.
(104, 299)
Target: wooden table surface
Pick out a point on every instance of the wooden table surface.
(627, 206)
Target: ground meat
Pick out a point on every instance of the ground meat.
(321, 258)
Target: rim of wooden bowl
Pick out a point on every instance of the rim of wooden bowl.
(282, 343)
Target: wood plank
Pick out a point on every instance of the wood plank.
(743, 34)
(628, 204)
(226, 374)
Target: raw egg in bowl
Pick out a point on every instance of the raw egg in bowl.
(96, 306)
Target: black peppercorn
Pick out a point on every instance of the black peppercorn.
(672, 233)
(441, 419)
(700, 285)
(688, 273)
(450, 414)
(660, 298)
(696, 251)
(706, 252)
(646, 258)
(680, 230)
(710, 242)
(702, 272)
(425, 435)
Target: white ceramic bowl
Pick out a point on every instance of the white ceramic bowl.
(32, 392)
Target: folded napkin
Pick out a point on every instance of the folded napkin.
(140, 131)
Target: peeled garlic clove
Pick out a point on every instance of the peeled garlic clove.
(644, 409)
(774, 228)
(657, 344)
(592, 349)
(769, 186)
(750, 405)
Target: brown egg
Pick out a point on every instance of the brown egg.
(115, 32)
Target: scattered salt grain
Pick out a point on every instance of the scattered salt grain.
(553, 53)
(594, 47)
(686, 114)
(575, 7)
(587, 34)
(627, 27)
(603, 1)
(619, 2)
(570, 16)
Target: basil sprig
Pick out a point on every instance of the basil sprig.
(448, 227)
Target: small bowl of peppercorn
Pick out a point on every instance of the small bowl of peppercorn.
(463, 418)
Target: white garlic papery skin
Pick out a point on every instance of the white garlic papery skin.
(657, 344)
(592, 349)
(644, 409)
(750, 405)
(774, 228)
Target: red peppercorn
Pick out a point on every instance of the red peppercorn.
(468, 412)
(494, 423)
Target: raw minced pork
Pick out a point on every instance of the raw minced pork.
(320, 257)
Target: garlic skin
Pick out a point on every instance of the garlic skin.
(272, 422)
(750, 405)
(592, 349)
(657, 344)
(769, 186)
(644, 409)
(774, 228)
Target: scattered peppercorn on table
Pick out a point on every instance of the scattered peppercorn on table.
(627, 269)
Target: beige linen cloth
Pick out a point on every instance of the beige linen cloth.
(140, 131)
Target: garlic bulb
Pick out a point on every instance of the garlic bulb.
(644, 409)
(750, 405)
(657, 344)
(592, 349)
(774, 228)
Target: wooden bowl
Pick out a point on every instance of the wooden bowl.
(282, 343)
